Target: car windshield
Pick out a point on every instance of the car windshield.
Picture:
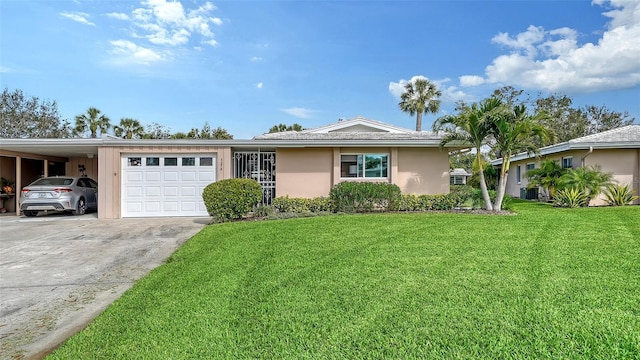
(53, 181)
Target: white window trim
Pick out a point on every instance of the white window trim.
(352, 178)
(562, 162)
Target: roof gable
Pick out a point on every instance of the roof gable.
(358, 124)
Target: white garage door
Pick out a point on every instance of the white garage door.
(166, 184)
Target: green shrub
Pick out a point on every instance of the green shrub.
(618, 195)
(285, 204)
(571, 197)
(349, 196)
(461, 194)
(478, 200)
(263, 211)
(231, 198)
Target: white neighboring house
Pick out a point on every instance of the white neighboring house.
(459, 176)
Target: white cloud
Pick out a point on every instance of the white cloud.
(554, 61)
(128, 53)
(471, 80)
(299, 112)
(166, 23)
(450, 93)
(256, 58)
(118, 16)
(79, 17)
(259, 85)
(5, 70)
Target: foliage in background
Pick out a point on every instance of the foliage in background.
(571, 197)
(128, 129)
(618, 195)
(490, 178)
(352, 196)
(283, 127)
(22, 116)
(206, 132)
(231, 199)
(420, 96)
(92, 122)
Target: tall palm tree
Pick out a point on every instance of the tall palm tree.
(128, 128)
(471, 126)
(93, 122)
(514, 130)
(420, 96)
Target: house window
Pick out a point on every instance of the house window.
(188, 161)
(364, 165)
(153, 161)
(457, 180)
(567, 162)
(531, 166)
(519, 174)
(170, 161)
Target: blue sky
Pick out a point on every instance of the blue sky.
(248, 65)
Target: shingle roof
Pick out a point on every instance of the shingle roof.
(629, 133)
(295, 135)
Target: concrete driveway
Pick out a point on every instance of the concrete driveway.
(58, 272)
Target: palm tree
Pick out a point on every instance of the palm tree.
(128, 129)
(514, 130)
(471, 126)
(589, 179)
(282, 127)
(420, 96)
(93, 122)
(547, 176)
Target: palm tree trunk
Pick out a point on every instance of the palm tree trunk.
(502, 182)
(483, 183)
(419, 121)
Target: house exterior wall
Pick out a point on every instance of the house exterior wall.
(423, 171)
(110, 180)
(624, 164)
(90, 165)
(305, 173)
(311, 172)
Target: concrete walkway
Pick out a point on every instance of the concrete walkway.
(58, 272)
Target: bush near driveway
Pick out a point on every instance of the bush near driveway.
(231, 198)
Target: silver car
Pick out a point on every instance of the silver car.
(59, 193)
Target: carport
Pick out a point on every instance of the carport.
(23, 161)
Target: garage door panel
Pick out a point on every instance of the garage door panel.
(165, 184)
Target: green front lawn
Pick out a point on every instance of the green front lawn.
(546, 283)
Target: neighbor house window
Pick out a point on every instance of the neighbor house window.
(567, 162)
(457, 180)
(519, 174)
(531, 166)
(364, 165)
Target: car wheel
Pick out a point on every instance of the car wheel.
(81, 207)
(30, 213)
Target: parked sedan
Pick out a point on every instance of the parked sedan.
(59, 193)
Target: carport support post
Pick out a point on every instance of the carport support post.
(46, 168)
(18, 189)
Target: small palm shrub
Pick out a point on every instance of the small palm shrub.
(571, 197)
(349, 196)
(231, 198)
(618, 195)
(588, 179)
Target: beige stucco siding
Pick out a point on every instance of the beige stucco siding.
(423, 171)
(110, 181)
(624, 164)
(305, 173)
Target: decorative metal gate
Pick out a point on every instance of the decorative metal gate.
(260, 166)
